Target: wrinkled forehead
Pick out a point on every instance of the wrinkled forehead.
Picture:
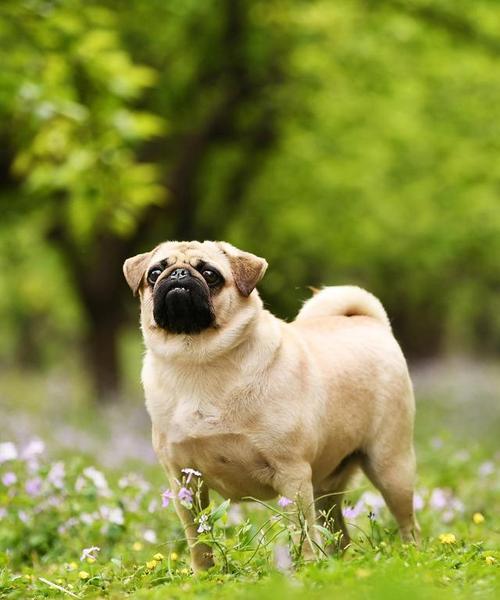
(189, 253)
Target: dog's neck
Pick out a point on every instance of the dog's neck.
(252, 332)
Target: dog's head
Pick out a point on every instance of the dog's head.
(192, 287)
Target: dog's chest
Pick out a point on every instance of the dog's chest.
(189, 422)
(204, 438)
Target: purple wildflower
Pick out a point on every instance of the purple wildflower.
(185, 495)
(438, 499)
(448, 516)
(56, 475)
(284, 501)
(54, 501)
(9, 479)
(33, 486)
(166, 497)
(23, 516)
(353, 512)
(373, 500)
(418, 502)
(486, 468)
(444, 501)
(33, 449)
(454, 506)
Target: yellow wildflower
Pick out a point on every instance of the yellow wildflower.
(490, 560)
(447, 538)
(174, 556)
(90, 559)
(363, 573)
(185, 571)
(478, 518)
(137, 546)
(151, 564)
(158, 556)
(27, 577)
(83, 575)
(71, 566)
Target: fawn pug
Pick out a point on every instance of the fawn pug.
(262, 407)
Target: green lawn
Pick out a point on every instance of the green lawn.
(92, 484)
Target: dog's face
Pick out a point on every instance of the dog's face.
(190, 287)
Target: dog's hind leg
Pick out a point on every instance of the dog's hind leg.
(394, 476)
(329, 508)
(329, 505)
(294, 482)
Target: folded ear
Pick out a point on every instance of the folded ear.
(134, 269)
(248, 269)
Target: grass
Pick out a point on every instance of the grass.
(96, 484)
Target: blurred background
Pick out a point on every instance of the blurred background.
(355, 141)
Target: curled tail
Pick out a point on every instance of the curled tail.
(348, 300)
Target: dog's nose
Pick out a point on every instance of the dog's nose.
(179, 274)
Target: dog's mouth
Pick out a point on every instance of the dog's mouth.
(183, 307)
(179, 290)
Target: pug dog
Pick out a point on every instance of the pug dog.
(264, 408)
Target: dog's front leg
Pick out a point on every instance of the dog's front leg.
(294, 482)
(201, 554)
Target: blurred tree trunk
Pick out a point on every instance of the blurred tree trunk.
(101, 352)
(102, 287)
(96, 274)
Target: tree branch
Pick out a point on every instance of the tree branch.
(445, 20)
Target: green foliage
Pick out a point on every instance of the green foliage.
(347, 142)
(73, 121)
(386, 175)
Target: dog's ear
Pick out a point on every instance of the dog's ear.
(248, 269)
(134, 269)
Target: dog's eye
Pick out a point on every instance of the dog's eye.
(153, 275)
(211, 277)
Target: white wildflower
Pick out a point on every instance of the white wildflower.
(8, 451)
(203, 524)
(113, 514)
(56, 475)
(149, 535)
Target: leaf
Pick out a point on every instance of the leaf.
(217, 513)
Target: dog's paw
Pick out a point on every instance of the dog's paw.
(202, 561)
